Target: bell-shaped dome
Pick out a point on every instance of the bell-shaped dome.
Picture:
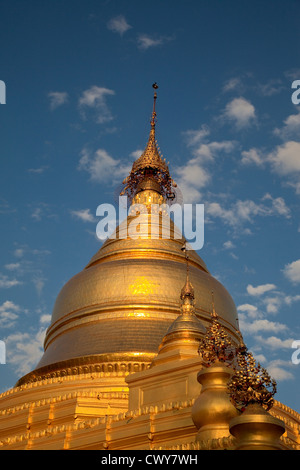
(121, 305)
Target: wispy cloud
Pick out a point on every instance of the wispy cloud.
(244, 212)
(254, 324)
(146, 41)
(278, 369)
(196, 174)
(39, 283)
(119, 25)
(84, 215)
(38, 171)
(233, 84)
(8, 314)
(252, 157)
(284, 159)
(7, 283)
(94, 99)
(101, 166)
(42, 210)
(12, 266)
(57, 99)
(24, 350)
(271, 87)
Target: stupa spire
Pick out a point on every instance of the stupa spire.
(150, 171)
(187, 292)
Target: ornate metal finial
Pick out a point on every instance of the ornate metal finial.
(216, 346)
(251, 383)
(150, 168)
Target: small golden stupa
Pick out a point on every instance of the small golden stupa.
(121, 361)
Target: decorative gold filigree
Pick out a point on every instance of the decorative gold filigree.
(216, 346)
(251, 383)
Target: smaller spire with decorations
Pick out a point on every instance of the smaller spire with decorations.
(216, 346)
(186, 330)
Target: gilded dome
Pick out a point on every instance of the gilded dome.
(123, 302)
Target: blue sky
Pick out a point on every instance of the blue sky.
(78, 81)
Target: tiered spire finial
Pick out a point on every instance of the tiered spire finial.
(150, 170)
(216, 346)
(187, 291)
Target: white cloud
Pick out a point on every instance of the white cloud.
(232, 84)
(194, 137)
(37, 213)
(102, 167)
(278, 205)
(274, 342)
(12, 266)
(278, 370)
(273, 304)
(57, 99)
(242, 212)
(24, 350)
(252, 157)
(45, 318)
(38, 171)
(228, 245)
(263, 325)
(285, 158)
(290, 299)
(19, 252)
(145, 41)
(6, 283)
(292, 271)
(251, 310)
(195, 175)
(291, 128)
(210, 150)
(136, 154)
(270, 88)
(260, 290)
(39, 282)
(95, 98)
(8, 314)
(118, 25)
(84, 215)
(241, 112)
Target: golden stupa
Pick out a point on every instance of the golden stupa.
(123, 366)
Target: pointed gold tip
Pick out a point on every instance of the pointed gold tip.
(214, 314)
